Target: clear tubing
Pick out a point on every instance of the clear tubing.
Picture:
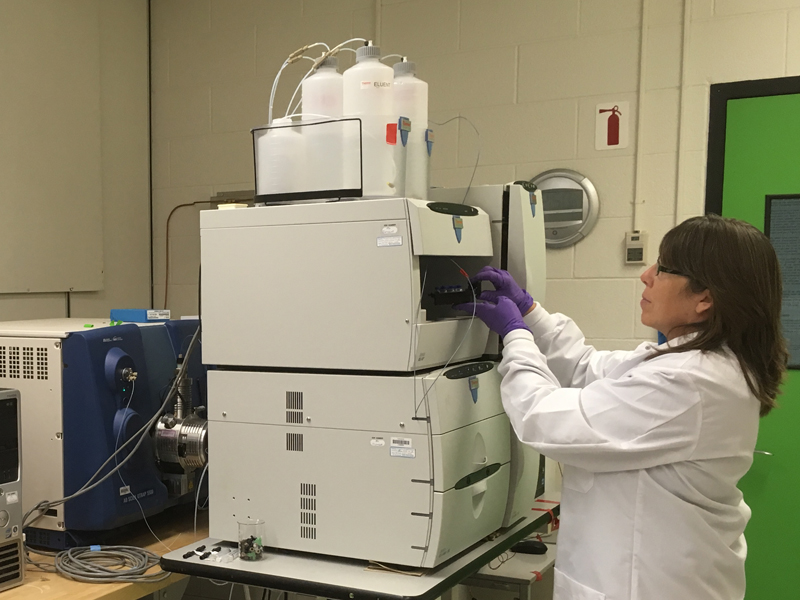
(272, 93)
(335, 48)
(477, 158)
(297, 89)
(315, 115)
(293, 57)
(330, 52)
(400, 56)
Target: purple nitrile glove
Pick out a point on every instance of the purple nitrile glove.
(502, 317)
(504, 285)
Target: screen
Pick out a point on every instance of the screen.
(9, 441)
(562, 205)
(563, 199)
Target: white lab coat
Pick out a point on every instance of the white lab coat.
(652, 453)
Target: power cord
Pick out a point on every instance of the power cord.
(107, 564)
(166, 255)
(197, 497)
(130, 491)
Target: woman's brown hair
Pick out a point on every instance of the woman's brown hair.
(737, 264)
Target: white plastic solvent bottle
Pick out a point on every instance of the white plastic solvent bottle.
(368, 96)
(280, 154)
(322, 91)
(411, 100)
(322, 101)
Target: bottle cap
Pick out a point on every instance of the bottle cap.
(367, 52)
(329, 63)
(405, 67)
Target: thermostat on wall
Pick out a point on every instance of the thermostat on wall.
(636, 247)
(570, 204)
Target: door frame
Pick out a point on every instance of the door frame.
(717, 122)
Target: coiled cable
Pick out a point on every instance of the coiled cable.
(109, 564)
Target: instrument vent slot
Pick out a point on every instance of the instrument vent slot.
(27, 362)
(294, 442)
(308, 508)
(41, 364)
(10, 564)
(13, 362)
(294, 417)
(3, 362)
(294, 400)
(294, 407)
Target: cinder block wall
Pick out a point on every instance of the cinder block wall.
(122, 120)
(527, 73)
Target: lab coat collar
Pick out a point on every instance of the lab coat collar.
(680, 340)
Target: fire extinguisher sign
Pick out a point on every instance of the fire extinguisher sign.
(611, 125)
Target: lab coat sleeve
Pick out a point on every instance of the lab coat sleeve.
(570, 359)
(648, 418)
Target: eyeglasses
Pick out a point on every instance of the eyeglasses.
(662, 269)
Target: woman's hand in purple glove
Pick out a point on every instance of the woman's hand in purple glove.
(501, 316)
(504, 285)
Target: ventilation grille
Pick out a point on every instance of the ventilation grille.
(308, 511)
(41, 363)
(32, 364)
(27, 363)
(294, 407)
(10, 563)
(13, 362)
(294, 442)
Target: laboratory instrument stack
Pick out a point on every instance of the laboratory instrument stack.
(366, 403)
(370, 405)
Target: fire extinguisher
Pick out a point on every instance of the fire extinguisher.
(613, 125)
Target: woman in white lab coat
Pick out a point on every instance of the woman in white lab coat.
(653, 441)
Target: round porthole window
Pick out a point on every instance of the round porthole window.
(570, 204)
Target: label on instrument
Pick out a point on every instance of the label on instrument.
(403, 452)
(390, 240)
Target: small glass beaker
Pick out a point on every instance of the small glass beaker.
(251, 539)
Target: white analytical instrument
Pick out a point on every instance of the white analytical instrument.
(351, 408)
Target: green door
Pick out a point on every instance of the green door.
(762, 157)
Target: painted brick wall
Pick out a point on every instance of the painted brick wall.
(527, 73)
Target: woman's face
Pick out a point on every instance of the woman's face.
(668, 303)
